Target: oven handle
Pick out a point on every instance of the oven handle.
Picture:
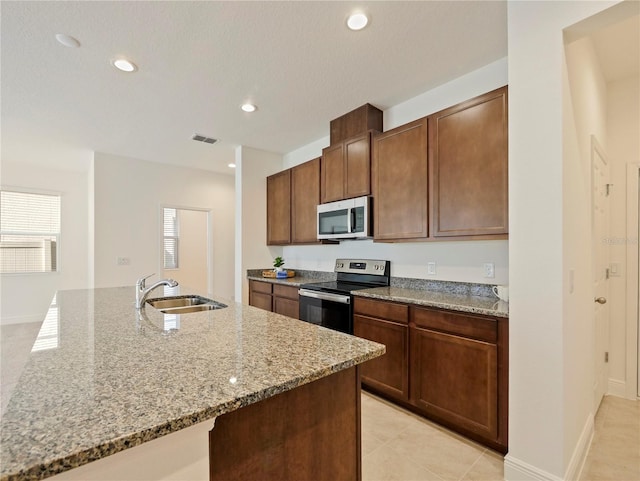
(325, 296)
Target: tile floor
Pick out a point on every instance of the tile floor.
(615, 450)
(398, 445)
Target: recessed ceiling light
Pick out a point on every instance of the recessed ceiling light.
(248, 107)
(124, 65)
(233, 166)
(357, 21)
(67, 40)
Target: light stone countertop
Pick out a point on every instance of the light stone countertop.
(295, 281)
(489, 306)
(454, 296)
(112, 379)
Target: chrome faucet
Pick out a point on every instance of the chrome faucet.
(142, 292)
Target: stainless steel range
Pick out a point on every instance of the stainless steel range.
(329, 304)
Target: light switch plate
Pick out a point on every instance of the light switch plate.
(431, 268)
(123, 261)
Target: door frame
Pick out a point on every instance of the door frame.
(209, 238)
(632, 382)
(598, 151)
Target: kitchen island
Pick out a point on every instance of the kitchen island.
(104, 378)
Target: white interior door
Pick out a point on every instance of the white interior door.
(600, 215)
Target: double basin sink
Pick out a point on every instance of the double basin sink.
(184, 304)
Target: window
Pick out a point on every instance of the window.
(29, 232)
(170, 238)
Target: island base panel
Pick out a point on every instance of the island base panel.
(309, 433)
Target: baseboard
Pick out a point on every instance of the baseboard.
(21, 319)
(576, 464)
(517, 470)
(617, 388)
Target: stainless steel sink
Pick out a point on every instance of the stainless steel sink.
(184, 304)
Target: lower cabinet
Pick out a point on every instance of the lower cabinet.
(388, 373)
(448, 366)
(274, 298)
(285, 301)
(260, 295)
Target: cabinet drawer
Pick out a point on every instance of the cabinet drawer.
(381, 309)
(260, 286)
(480, 328)
(290, 292)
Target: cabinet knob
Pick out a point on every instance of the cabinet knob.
(601, 300)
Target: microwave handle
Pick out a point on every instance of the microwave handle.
(352, 220)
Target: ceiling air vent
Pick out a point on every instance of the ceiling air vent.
(202, 138)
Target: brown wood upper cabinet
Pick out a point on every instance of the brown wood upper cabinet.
(346, 169)
(279, 208)
(305, 197)
(292, 197)
(399, 175)
(468, 167)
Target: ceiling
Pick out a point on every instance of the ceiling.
(199, 61)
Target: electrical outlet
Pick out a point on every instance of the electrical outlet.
(123, 261)
(431, 268)
(489, 270)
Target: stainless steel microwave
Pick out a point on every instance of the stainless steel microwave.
(345, 219)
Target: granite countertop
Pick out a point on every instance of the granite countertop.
(108, 377)
(301, 277)
(296, 281)
(455, 296)
(444, 300)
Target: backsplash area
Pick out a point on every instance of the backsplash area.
(454, 261)
(449, 287)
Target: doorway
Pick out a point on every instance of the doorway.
(185, 253)
(601, 221)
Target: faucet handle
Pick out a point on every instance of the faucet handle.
(140, 282)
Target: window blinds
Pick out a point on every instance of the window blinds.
(29, 232)
(170, 238)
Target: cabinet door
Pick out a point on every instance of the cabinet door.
(260, 294)
(279, 208)
(357, 166)
(468, 167)
(286, 307)
(332, 173)
(455, 379)
(389, 372)
(400, 182)
(305, 197)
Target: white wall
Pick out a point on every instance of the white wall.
(252, 168)
(26, 297)
(455, 261)
(129, 194)
(623, 122)
(544, 426)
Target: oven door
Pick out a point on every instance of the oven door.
(326, 309)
